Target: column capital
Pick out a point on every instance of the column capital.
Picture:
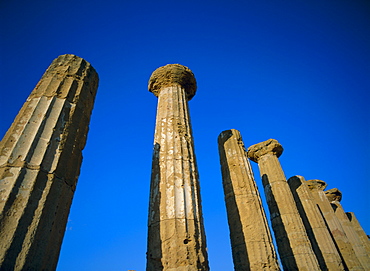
(333, 194)
(225, 135)
(170, 75)
(316, 184)
(256, 151)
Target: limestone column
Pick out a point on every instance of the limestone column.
(341, 240)
(335, 196)
(360, 231)
(319, 235)
(40, 158)
(176, 238)
(293, 244)
(250, 236)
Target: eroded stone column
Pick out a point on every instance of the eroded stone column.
(319, 235)
(360, 231)
(343, 245)
(335, 196)
(176, 238)
(250, 236)
(40, 158)
(293, 244)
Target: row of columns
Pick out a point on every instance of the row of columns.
(41, 154)
(311, 229)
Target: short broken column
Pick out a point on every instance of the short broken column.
(319, 235)
(250, 236)
(343, 245)
(293, 244)
(335, 196)
(176, 237)
(40, 159)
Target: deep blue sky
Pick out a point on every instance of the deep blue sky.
(296, 71)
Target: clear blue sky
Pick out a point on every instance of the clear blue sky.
(296, 71)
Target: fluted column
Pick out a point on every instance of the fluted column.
(250, 236)
(360, 231)
(335, 196)
(321, 240)
(341, 240)
(293, 244)
(176, 239)
(40, 158)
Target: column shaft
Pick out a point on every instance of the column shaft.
(250, 236)
(176, 239)
(353, 238)
(319, 235)
(40, 158)
(360, 231)
(343, 245)
(293, 244)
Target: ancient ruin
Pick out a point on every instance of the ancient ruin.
(335, 196)
(250, 236)
(176, 238)
(334, 225)
(293, 244)
(311, 229)
(317, 231)
(40, 158)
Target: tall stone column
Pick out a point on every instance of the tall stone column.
(341, 240)
(360, 231)
(250, 236)
(293, 244)
(40, 158)
(335, 196)
(176, 238)
(321, 240)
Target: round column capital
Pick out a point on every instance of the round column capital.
(333, 194)
(316, 184)
(256, 151)
(170, 75)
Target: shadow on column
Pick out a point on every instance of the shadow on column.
(25, 219)
(333, 238)
(281, 236)
(315, 246)
(154, 248)
(237, 238)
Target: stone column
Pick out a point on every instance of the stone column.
(293, 244)
(176, 238)
(360, 231)
(335, 196)
(343, 245)
(250, 236)
(320, 237)
(40, 158)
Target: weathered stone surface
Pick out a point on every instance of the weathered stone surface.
(316, 185)
(360, 232)
(319, 235)
(40, 158)
(334, 195)
(293, 244)
(270, 146)
(176, 238)
(250, 236)
(341, 240)
(172, 75)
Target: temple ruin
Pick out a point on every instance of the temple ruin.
(40, 159)
(176, 239)
(41, 155)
